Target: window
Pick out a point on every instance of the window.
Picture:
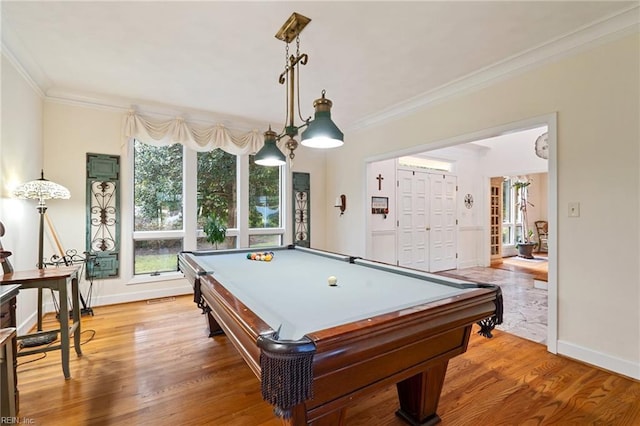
(511, 220)
(158, 207)
(217, 194)
(264, 205)
(176, 189)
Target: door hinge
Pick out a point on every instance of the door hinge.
(456, 255)
(397, 224)
(456, 221)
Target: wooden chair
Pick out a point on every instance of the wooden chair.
(542, 227)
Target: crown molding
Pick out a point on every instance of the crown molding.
(587, 37)
(23, 62)
(155, 109)
(9, 56)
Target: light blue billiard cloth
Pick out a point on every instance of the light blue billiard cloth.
(291, 292)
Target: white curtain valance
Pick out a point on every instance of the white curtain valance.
(202, 139)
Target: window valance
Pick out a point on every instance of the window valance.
(176, 130)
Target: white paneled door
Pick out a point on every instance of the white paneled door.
(442, 223)
(412, 227)
(427, 228)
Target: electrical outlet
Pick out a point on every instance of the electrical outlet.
(574, 209)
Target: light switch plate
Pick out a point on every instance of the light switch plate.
(574, 209)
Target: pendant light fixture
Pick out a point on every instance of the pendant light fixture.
(321, 132)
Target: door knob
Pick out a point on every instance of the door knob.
(427, 228)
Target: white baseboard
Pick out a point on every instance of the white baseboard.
(468, 264)
(25, 326)
(601, 360)
(178, 290)
(136, 296)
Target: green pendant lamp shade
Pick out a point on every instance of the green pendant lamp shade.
(322, 132)
(269, 154)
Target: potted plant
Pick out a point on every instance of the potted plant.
(526, 244)
(215, 231)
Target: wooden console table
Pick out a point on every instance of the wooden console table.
(9, 395)
(57, 279)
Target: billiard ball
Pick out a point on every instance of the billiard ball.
(333, 281)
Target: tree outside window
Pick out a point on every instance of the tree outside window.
(217, 193)
(158, 177)
(159, 182)
(264, 203)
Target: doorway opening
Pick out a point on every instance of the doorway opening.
(474, 160)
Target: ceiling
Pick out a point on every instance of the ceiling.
(222, 58)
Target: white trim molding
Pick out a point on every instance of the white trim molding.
(599, 359)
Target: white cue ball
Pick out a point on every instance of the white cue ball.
(333, 280)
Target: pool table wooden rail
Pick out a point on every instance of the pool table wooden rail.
(409, 347)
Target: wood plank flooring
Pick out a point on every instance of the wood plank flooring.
(538, 267)
(153, 364)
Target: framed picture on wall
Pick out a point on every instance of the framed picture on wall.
(379, 205)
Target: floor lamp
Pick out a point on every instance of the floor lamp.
(41, 190)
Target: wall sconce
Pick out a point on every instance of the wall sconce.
(341, 203)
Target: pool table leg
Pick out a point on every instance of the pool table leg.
(214, 327)
(419, 396)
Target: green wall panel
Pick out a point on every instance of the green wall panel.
(103, 214)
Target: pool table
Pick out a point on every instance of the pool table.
(317, 347)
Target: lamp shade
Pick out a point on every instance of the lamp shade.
(269, 154)
(322, 132)
(41, 189)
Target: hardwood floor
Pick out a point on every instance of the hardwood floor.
(538, 266)
(153, 364)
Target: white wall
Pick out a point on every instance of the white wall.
(21, 154)
(472, 222)
(537, 193)
(513, 154)
(595, 95)
(383, 227)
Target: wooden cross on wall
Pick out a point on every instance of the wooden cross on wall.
(380, 179)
